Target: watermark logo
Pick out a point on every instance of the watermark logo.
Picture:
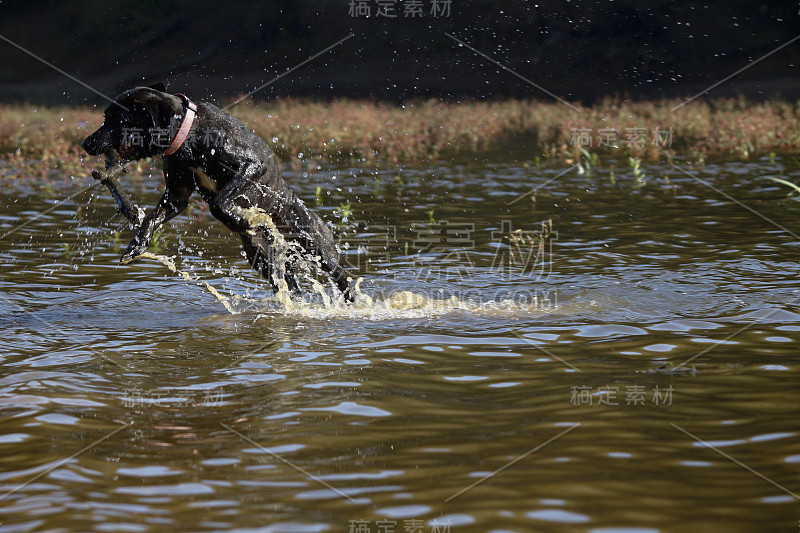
(160, 137)
(524, 251)
(369, 248)
(635, 395)
(411, 525)
(443, 235)
(175, 398)
(443, 250)
(635, 138)
(436, 246)
(391, 9)
(446, 251)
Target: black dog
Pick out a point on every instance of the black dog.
(235, 171)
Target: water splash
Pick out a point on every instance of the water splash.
(323, 302)
(283, 251)
(170, 264)
(405, 304)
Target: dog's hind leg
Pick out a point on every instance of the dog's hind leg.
(317, 239)
(261, 255)
(234, 204)
(339, 276)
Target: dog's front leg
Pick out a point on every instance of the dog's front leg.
(174, 200)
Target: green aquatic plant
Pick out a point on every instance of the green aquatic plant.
(636, 167)
(785, 182)
(345, 211)
(585, 163)
(66, 252)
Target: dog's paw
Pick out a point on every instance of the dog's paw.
(129, 258)
(132, 253)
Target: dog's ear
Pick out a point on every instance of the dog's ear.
(153, 102)
(158, 87)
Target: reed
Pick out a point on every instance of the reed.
(38, 142)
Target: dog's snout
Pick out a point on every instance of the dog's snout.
(95, 143)
(87, 145)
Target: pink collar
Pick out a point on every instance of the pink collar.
(186, 125)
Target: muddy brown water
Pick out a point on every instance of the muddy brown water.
(589, 356)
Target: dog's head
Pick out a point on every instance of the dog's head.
(136, 124)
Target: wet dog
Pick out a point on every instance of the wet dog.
(235, 171)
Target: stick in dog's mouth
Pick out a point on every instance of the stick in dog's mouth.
(114, 167)
(110, 178)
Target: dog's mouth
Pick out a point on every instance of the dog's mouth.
(126, 151)
(113, 158)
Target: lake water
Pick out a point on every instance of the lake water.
(535, 350)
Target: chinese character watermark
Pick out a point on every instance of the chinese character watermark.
(392, 9)
(635, 395)
(411, 525)
(524, 252)
(181, 398)
(636, 138)
(366, 250)
(160, 138)
(446, 251)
